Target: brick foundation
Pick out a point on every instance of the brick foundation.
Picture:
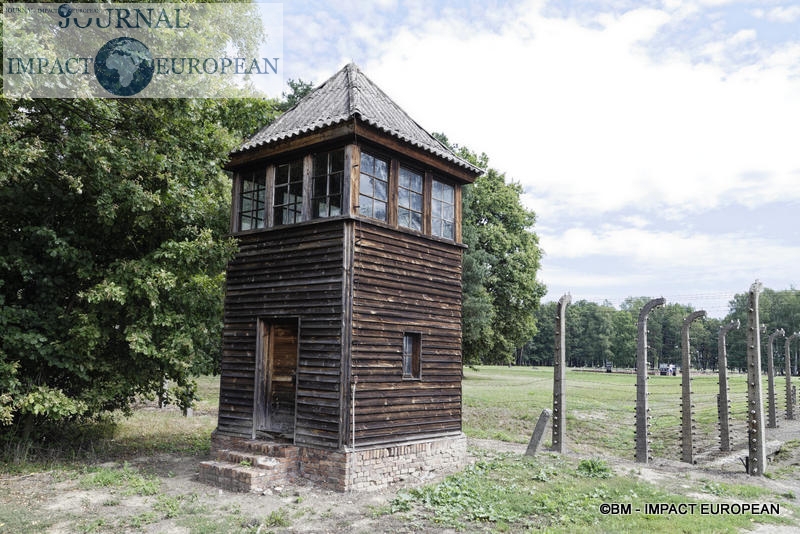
(253, 465)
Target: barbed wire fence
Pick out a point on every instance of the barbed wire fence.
(611, 421)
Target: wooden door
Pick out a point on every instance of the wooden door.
(276, 366)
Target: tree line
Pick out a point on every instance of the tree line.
(600, 333)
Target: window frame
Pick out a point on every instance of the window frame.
(261, 189)
(295, 207)
(412, 358)
(421, 193)
(256, 176)
(438, 222)
(375, 156)
(329, 174)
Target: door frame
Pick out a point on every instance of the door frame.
(261, 377)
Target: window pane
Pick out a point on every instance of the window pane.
(365, 185)
(319, 207)
(365, 206)
(373, 187)
(448, 229)
(296, 171)
(296, 189)
(405, 180)
(448, 212)
(403, 198)
(410, 180)
(281, 195)
(251, 201)
(367, 163)
(416, 202)
(437, 190)
(381, 169)
(410, 198)
(411, 356)
(448, 193)
(320, 167)
(406, 364)
(336, 184)
(416, 183)
(416, 221)
(380, 210)
(404, 217)
(282, 174)
(320, 186)
(381, 190)
(326, 184)
(336, 206)
(436, 209)
(337, 161)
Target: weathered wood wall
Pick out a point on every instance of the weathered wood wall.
(405, 283)
(293, 271)
(401, 283)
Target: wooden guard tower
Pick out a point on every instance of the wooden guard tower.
(342, 338)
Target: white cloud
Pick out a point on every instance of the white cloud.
(585, 118)
(701, 269)
(787, 14)
(696, 254)
(599, 127)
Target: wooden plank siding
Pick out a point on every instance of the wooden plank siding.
(405, 283)
(294, 271)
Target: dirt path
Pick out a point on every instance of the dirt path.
(61, 501)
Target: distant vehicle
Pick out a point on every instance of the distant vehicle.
(665, 369)
(609, 365)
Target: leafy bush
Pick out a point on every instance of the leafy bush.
(594, 468)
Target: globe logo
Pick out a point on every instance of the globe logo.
(64, 10)
(124, 66)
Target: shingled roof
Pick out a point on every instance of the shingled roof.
(349, 94)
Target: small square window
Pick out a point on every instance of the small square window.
(411, 356)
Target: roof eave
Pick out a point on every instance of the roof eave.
(327, 131)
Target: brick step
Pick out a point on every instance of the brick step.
(277, 449)
(265, 448)
(248, 459)
(236, 477)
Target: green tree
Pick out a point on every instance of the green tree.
(589, 334)
(114, 221)
(297, 90)
(623, 338)
(499, 235)
(540, 350)
(777, 309)
(500, 290)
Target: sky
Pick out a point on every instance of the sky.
(658, 142)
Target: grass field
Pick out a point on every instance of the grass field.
(137, 475)
(505, 402)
